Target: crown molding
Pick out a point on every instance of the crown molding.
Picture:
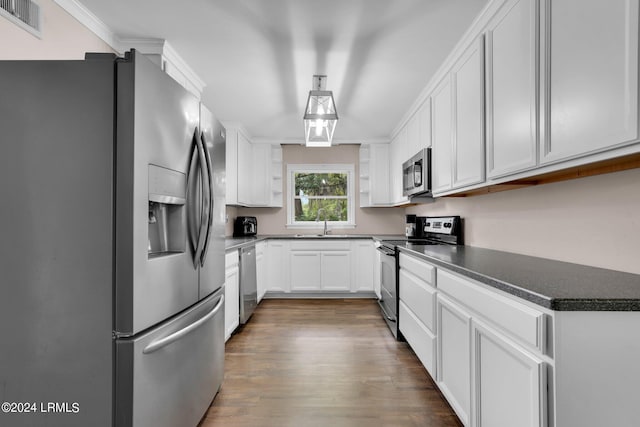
(168, 53)
(146, 46)
(476, 28)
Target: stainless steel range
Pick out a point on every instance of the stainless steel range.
(428, 231)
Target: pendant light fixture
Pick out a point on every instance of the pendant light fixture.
(320, 115)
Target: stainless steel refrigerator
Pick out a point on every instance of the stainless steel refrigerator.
(112, 245)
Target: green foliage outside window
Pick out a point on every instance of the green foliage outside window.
(320, 195)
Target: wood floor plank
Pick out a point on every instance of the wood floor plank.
(324, 363)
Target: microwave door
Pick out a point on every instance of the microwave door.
(407, 179)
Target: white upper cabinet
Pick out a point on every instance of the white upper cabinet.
(442, 136)
(413, 135)
(374, 175)
(590, 72)
(244, 170)
(260, 186)
(253, 171)
(511, 88)
(419, 130)
(457, 104)
(468, 97)
(399, 150)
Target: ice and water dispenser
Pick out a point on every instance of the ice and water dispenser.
(167, 213)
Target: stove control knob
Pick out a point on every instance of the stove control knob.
(428, 224)
(447, 225)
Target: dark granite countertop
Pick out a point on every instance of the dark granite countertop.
(232, 243)
(557, 285)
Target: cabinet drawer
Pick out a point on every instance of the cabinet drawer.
(419, 337)
(419, 297)
(523, 322)
(421, 269)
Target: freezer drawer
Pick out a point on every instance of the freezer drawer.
(169, 375)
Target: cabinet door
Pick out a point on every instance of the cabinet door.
(278, 266)
(335, 268)
(231, 301)
(261, 180)
(245, 170)
(363, 280)
(508, 383)
(442, 142)
(512, 142)
(305, 270)
(379, 174)
(413, 135)
(454, 356)
(468, 95)
(261, 269)
(424, 120)
(398, 156)
(591, 76)
(377, 274)
(231, 167)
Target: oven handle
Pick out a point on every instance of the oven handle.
(386, 251)
(390, 319)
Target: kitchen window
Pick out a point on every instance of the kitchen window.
(319, 192)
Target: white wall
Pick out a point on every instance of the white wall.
(63, 37)
(593, 221)
(368, 220)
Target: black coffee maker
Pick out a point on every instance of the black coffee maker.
(244, 226)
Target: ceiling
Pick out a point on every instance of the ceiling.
(257, 57)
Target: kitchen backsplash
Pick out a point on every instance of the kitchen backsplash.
(575, 211)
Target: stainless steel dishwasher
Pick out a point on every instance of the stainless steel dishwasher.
(248, 283)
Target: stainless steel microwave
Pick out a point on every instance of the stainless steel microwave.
(416, 174)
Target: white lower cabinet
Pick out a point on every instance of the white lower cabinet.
(335, 271)
(485, 349)
(364, 254)
(508, 382)
(277, 266)
(377, 273)
(454, 356)
(321, 266)
(419, 337)
(261, 269)
(305, 270)
(231, 293)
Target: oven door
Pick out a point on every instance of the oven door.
(388, 290)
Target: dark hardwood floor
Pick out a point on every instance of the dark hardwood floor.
(323, 363)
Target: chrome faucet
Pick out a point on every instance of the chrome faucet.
(325, 231)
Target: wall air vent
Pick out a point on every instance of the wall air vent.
(25, 13)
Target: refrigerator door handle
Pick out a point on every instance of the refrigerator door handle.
(204, 208)
(209, 170)
(192, 181)
(163, 342)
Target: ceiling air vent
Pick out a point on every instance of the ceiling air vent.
(25, 13)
